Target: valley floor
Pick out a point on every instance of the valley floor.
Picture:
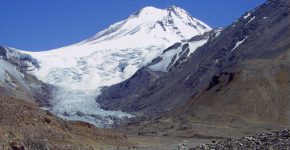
(161, 143)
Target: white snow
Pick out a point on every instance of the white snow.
(196, 44)
(239, 43)
(218, 32)
(187, 77)
(251, 19)
(216, 61)
(247, 15)
(111, 56)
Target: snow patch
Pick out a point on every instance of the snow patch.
(194, 45)
(247, 15)
(239, 43)
(251, 19)
(218, 32)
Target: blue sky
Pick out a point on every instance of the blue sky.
(47, 24)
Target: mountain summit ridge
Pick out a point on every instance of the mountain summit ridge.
(152, 19)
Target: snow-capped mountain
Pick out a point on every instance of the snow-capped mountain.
(114, 54)
(111, 56)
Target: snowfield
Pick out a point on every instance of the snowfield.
(113, 55)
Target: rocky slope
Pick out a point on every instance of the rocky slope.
(23, 124)
(235, 84)
(17, 82)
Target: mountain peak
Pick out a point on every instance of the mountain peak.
(150, 9)
(170, 25)
(157, 12)
(150, 12)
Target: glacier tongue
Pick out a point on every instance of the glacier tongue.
(111, 56)
(81, 105)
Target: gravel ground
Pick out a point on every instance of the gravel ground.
(276, 140)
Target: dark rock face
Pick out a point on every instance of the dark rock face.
(43, 94)
(216, 79)
(2, 51)
(201, 37)
(134, 85)
(272, 140)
